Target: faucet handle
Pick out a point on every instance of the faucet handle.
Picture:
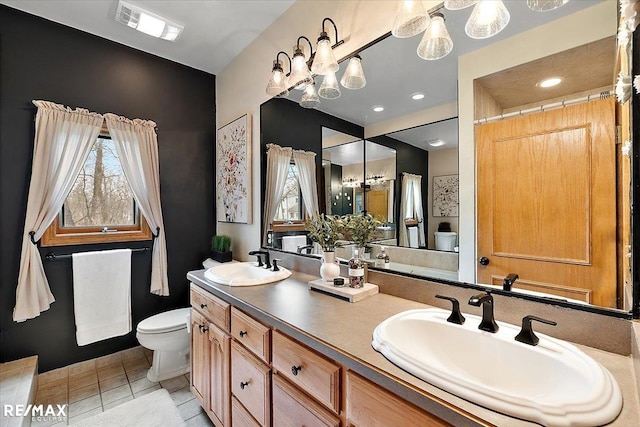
(274, 262)
(526, 334)
(456, 316)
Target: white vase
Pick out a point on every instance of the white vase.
(330, 269)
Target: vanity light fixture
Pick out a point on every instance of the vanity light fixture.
(147, 22)
(550, 82)
(310, 98)
(353, 77)
(545, 5)
(329, 88)
(324, 61)
(417, 96)
(436, 143)
(378, 108)
(436, 42)
(300, 73)
(278, 83)
(458, 4)
(488, 18)
(411, 19)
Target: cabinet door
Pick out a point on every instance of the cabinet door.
(219, 371)
(240, 417)
(199, 358)
(251, 383)
(292, 408)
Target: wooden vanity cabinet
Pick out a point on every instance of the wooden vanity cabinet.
(251, 383)
(292, 408)
(199, 358)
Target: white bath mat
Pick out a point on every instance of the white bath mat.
(151, 410)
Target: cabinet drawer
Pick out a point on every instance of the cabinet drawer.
(251, 383)
(370, 405)
(292, 408)
(240, 417)
(305, 368)
(251, 333)
(212, 307)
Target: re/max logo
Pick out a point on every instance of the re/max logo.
(58, 411)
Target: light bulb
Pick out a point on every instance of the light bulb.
(458, 4)
(300, 73)
(324, 61)
(353, 77)
(436, 42)
(277, 82)
(488, 18)
(545, 5)
(411, 19)
(329, 88)
(310, 97)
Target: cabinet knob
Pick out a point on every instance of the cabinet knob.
(484, 260)
(243, 384)
(296, 369)
(203, 306)
(243, 333)
(204, 329)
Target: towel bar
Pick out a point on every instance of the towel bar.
(52, 257)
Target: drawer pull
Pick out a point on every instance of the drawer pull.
(203, 328)
(203, 306)
(296, 369)
(243, 333)
(243, 384)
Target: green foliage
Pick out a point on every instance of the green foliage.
(221, 243)
(361, 227)
(326, 230)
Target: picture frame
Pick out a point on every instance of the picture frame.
(233, 172)
(445, 196)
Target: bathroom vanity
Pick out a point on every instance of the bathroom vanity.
(281, 354)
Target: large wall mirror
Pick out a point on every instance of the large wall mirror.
(365, 157)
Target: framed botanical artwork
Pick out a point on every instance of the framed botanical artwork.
(233, 171)
(445, 195)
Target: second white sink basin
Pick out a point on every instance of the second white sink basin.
(553, 383)
(244, 274)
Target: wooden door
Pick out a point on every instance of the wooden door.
(546, 201)
(199, 358)
(219, 373)
(377, 204)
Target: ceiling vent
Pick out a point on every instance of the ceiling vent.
(147, 22)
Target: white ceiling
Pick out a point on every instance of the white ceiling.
(215, 31)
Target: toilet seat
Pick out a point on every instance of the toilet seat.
(168, 321)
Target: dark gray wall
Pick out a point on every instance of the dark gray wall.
(43, 60)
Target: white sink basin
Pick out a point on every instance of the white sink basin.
(553, 383)
(244, 274)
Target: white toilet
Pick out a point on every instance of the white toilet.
(167, 335)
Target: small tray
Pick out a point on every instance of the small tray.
(344, 292)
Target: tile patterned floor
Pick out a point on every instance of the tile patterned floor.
(96, 385)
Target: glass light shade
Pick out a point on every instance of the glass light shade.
(353, 77)
(324, 61)
(278, 82)
(411, 19)
(488, 18)
(310, 97)
(329, 88)
(285, 92)
(458, 4)
(545, 5)
(436, 42)
(300, 73)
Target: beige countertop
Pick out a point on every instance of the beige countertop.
(343, 331)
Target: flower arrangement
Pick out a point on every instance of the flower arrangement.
(361, 227)
(326, 230)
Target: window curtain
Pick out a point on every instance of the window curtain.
(278, 159)
(306, 163)
(63, 141)
(137, 146)
(411, 207)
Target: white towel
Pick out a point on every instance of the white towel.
(102, 294)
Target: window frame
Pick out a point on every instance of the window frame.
(56, 235)
(278, 225)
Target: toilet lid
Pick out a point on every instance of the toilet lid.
(165, 322)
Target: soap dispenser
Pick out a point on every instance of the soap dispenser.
(382, 259)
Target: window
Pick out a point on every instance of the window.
(100, 207)
(290, 206)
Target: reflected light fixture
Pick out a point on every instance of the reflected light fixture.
(436, 42)
(300, 73)
(324, 61)
(278, 83)
(329, 89)
(147, 22)
(310, 97)
(458, 4)
(378, 108)
(353, 77)
(417, 96)
(488, 18)
(411, 19)
(436, 143)
(545, 5)
(550, 82)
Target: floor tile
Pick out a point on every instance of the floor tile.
(83, 380)
(52, 376)
(142, 384)
(109, 360)
(182, 395)
(117, 402)
(84, 416)
(190, 409)
(116, 394)
(85, 405)
(82, 367)
(174, 384)
(137, 373)
(133, 354)
(52, 395)
(110, 372)
(83, 393)
(113, 382)
(200, 420)
(137, 394)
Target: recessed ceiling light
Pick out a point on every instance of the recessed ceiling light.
(436, 143)
(378, 108)
(550, 82)
(147, 22)
(418, 95)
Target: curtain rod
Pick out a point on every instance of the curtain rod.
(52, 257)
(559, 104)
